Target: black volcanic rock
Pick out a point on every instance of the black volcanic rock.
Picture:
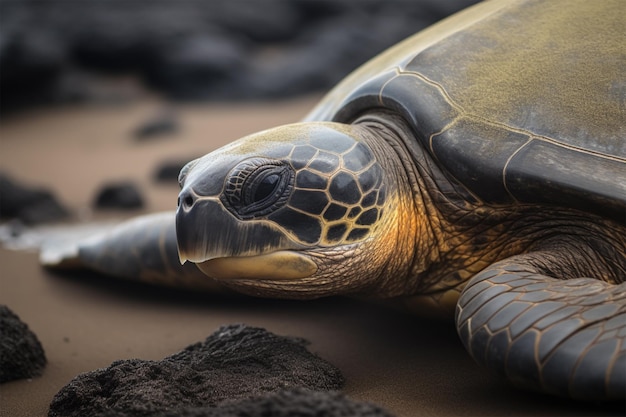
(236, 362)
(28, 204)
(187, 49)
(123, 195)
(285, 403)
(21, 354)
(163, 123)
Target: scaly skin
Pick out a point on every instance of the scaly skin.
(565, 338)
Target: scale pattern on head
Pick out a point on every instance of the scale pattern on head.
(322, 190)
(305, 185)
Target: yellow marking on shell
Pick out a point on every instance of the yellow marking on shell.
(521, 66)
(584, 99)
(580, 29)
(380, 93)
(506, 165)
(489, 121)
(281, 265)
(401, 53)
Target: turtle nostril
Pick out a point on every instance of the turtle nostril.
(186, 199)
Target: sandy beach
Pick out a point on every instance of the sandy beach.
(408, 365)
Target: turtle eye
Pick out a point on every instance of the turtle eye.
(257, 187)
(264, 186)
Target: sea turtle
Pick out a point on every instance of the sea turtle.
(478, 166)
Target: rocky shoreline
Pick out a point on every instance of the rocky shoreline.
(58, 51)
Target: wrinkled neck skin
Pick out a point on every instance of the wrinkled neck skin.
(420, 256)
(446, 235)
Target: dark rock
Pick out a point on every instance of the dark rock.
(200, 66)
(30, 62)
(284, 403)
(168, 170)
(288, 403)
(199, 50)
(119, 196)
(21, 354)
(161, 124)
(29, 205)
(236, 362)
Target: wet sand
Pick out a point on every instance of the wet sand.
(408, 365)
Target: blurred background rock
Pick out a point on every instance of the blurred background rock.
(59, 51)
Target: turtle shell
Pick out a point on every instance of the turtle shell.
(520, 101)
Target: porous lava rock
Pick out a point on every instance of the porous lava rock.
(30, 205)
(123, 195)
(235, 362)
(21, 354)
(284, 403)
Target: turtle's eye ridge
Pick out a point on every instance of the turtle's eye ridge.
(182, 176)
(257, 187)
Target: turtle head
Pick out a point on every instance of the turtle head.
(287, 212)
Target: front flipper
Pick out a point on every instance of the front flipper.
(563, 337)
(141, 249)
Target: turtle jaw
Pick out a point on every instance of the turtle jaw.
(224, 247)
(205, 230)
(280, 265)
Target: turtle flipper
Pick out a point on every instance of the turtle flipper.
(565, 337)
(141, 249)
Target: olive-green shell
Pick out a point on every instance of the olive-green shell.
(518, 100)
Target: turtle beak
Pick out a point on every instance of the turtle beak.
(224, 247)
(206, 230)
(202, 228)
